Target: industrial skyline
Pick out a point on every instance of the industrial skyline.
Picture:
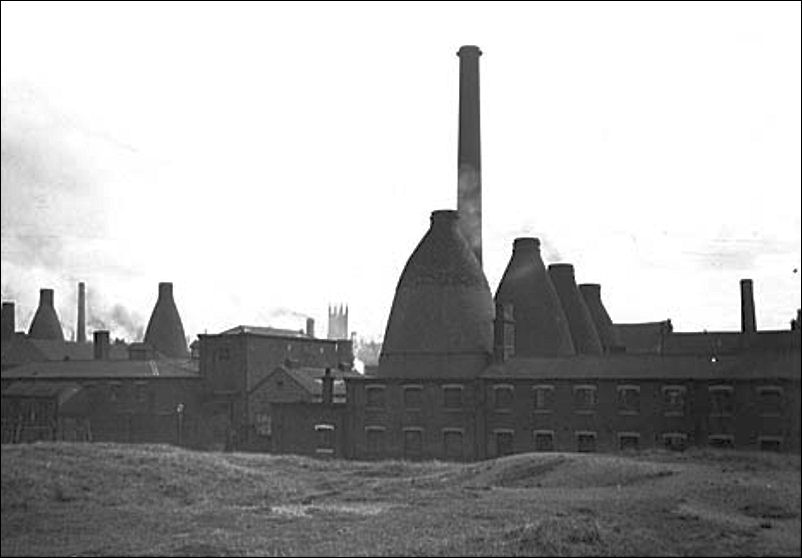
(269, 174)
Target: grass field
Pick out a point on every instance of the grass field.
(152, 500)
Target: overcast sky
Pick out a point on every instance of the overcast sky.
(271, 158)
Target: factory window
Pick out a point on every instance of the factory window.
(770, 399)
(503, 396)
(505, 442)
(544, 440)
(325, 438)
(674, 401)
(374, 440)
(676, 441)
(722, 401)
(725, 441)
(413, 397)
(585, 441)
(585, 399)
(628, 399)
(543, 398)
(413, 441)
(374, 396)
(628, 441)
(770, 443)
(223, 353)
(452, 443)
(452, 396)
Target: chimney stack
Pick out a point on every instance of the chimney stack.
(747, 307)
(45, 323)
(328, 388)
(101, 344)
(8, 320)
(469, 156)
(310, 327)
(80, 332)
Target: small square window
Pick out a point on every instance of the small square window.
(585, 399)
(676, 441)
(770, 443)
(628, 441)
(628, 400)
(674, 401)
(722, 401)
(543, 398)
(452, 396)
(413, 397)
(544, 440)
(586, 441)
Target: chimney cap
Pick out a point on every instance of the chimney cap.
(746, 281)
(526, 242)
(469, 49)
(563, 267)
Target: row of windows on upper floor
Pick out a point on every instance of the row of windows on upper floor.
(769, 398)
(504, 440)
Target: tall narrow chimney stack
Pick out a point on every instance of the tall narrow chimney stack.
(80, 332)
(310, 327)
(748, 324)
(469, 187)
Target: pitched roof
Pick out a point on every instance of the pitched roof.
(68, 350)
(751, 366)
(263, 330)
(310, 379)
(170, 368)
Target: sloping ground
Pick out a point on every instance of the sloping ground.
(117, 500)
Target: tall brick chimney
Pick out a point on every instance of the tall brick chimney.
(80, 330)
(748, 324)
(469, 157)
